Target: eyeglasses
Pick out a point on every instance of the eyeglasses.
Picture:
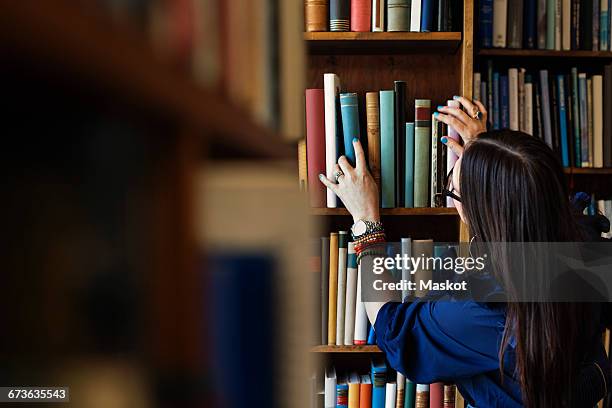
(448, 189)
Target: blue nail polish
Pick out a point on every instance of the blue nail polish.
(444, 139)
(321, 176)
(355, 140)
(455, 97)
(436, 114)
(441, 107)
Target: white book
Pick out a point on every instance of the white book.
(361, 317)
(331, 85)
(590, 119)
(476, 86)
(406, 249)
(529, 108)
(566, 24)
(351, 295)
(521, 98)
(558, 25)
(330, 388)
(341, 297)
(390, 395)
(415, 16)
(378, 15)
(513, 98)
(500, 21)
(401, 390)
(597, 121)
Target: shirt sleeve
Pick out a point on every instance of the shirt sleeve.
(431, 341)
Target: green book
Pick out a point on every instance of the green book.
(422, 143)
(551, 6)
(387, 148)
(576, 118)
(409, 168)
(409, 394)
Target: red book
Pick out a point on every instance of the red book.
(315, 146)
(361, 15)
(436, 395)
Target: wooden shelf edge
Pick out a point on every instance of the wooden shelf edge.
(588, 170)
(505, 52)
(369, 348)
(382, 36)
(389, 211)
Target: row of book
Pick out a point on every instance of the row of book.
(565, 109)
(383, 388)
(407, 159)
(382, 15)
(252, 52)
(546, 24)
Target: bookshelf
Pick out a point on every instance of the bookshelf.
(520, 53)
(389, 211)
(346, 349)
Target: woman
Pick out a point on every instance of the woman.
(507, 187)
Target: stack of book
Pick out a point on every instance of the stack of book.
(383, 388)
(407, 159)
(565, 109)
(382, 15)
(545, 24)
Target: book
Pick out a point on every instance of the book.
(521, 98)
(541, 24)
(590, 120)
(387, 148)
(343, 238)
(350, 124)
(514, 35)
(390, 394)
(398, 15)
(342, 392)
(576, 118)
(361, 15)
(330, 388)
(333, 289)
(558, 22)
(564, 139)
(379, 382)
(409, 166)
(373, 130)
(450, 395)
(490, 85)
(401, 386)
(500, 18)
(607, 119)
(554, 120)
(339, 15)
(504, 109)
(575, 30)
(354, 385)
(302, 166)
(409, 394)
(316, 15)
(365, 392)
(351, 295)
(551, 12)
(595, 28)
(433, 177)
(584, 124)
(406, 250)
(361, 318)
(530, 25)
(451, 157)
(400, 140)
(331, 88)
(422, 248)
(586, 24)
(604, 26)
(422, 155)
(496, 101)
(427, 10)
(324, 287)
(415, 16)
(315, 145)
(422, 396)
(476, 87)
(486, 23)
(513, 99)
(378, 15)
(546, 116)
(436, 395)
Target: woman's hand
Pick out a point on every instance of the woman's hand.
(464, 123)
(356, 187)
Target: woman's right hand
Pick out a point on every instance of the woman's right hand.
(464, 123)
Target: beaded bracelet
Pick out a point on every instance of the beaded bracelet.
(369, 252)
(369, 243)
(368, 237)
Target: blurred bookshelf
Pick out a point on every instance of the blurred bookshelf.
(389, 211)
(346, 349)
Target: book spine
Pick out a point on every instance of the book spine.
(562, 121)
(586, 24)
(566, 35)
(433, 177)
(554, 113)
(569, 122)
(378, 388)
(406, 250)
(398, 15)
(315, 145)
(530, 25)
(550, 24)
(330, 389)
(607, 119)
(390, 394)
(365, 395)
(400, 140)
(421, 151)
(584, 124)
(476, 87)
(373, 128)
(541, 24)
(528, 105)
(451, 157)
(409, 167)
(590, 120)
(604, 26)
(410, 394)
(539, 127)
(353, 395)
(350, 123)
(515, 24)
(361, 15)
(483, 92)
(500, 19)
(316, 15)
(387, 148)
(339, 13)
(378, 15)
(436, 395)
(490, 84)
(342, 396)
(341, 293)
(496, 101)
(401, 387)
(422, 396)
(558, 27)
(422, 273)
(513, 102)
(575, 45)
(415, 16)
(504, 108)
(486, 23)
(361, 318)
(597, 121)
(450, 395)
(331, 87)
(351, 295)
(324, 288)
(427, 15)
(333, 289)
(576, 118)
(521, 98)
(546, 107)
(595, 28)
(303, 166)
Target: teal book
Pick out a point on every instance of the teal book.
(350, 123)
(409, 175)
(387, 148)
(410, 394)
(576, 118)
(551, 7)
(422, 156)
(379, 382)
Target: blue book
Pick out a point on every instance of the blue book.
(562, 120)
(409, 174)
(584, 124)
(371, 335)
(546, 117)
(530, 32)
(604, 29)
(350, 123)
(505, 103)
(387, 148)
(496, 101)
(486, 23)
(379, 382)
(427, 15)
(576, 118)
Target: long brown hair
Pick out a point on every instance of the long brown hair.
(513, 190)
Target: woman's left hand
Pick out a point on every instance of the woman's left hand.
(466, 124)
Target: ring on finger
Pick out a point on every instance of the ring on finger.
(477, 115)
(337, 176)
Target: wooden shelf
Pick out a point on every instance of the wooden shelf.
(381, 42)
(512, 53)
(85, 46)
(389, 211)
(588, 170)
(346, 349)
